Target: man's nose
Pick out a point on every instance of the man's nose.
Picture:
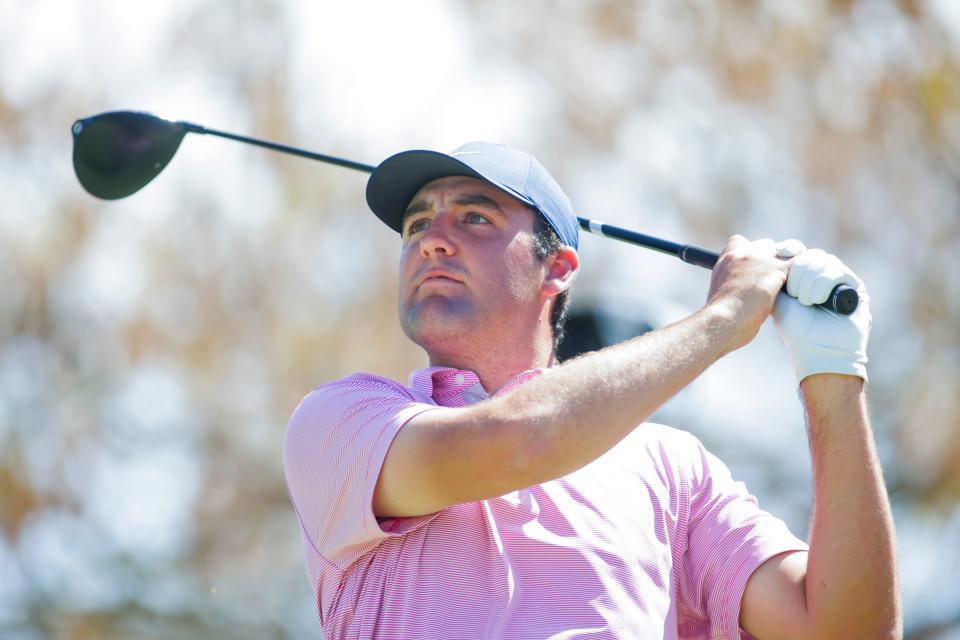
(437, 238)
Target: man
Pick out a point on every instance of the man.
(501, 495)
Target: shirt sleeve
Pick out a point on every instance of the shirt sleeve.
(728, 537)
(333, 451)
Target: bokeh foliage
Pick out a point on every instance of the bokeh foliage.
(152, 349)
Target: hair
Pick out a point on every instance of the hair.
(546, 242)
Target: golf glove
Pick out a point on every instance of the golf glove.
(818, 340)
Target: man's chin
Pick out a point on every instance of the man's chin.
(436, 323)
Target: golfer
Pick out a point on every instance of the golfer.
(499, 494)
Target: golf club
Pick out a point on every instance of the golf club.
(115, 154)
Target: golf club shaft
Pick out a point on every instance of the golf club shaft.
(842, 299)
(687, 253)
(340, 162)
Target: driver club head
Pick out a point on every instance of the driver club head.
(115, 154)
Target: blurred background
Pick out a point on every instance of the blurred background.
(153, 348)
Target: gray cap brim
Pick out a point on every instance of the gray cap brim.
(398, 178)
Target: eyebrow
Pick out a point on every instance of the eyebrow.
(465, 200)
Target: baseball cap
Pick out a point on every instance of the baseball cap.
(398, 178)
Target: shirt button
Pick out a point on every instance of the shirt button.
(459, 378)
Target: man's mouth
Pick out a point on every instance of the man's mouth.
(436, 275)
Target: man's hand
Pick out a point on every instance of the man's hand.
(818, 340)
(744, 285)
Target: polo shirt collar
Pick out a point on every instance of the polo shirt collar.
(450, 387)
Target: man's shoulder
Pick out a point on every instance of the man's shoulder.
(345, 394)
(661, 435)
(345, 404)
(358, 383)
(664, 446)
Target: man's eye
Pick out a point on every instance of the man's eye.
(417, 225)
(477, 218)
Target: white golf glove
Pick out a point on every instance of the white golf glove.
(818, 340)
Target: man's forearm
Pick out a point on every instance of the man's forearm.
(852, 588)
(576, 412)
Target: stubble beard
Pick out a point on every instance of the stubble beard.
(459, 332)
(440, 325)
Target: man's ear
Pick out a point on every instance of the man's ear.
(562, 269)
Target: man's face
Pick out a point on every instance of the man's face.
(467, 269)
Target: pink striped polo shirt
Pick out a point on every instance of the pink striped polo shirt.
(654, 539)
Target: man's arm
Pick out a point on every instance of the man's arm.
(847, 586)
(572, 414)
(546, 428)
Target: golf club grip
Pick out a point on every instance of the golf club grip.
(842, 300)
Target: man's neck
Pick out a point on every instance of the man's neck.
(496, 367)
